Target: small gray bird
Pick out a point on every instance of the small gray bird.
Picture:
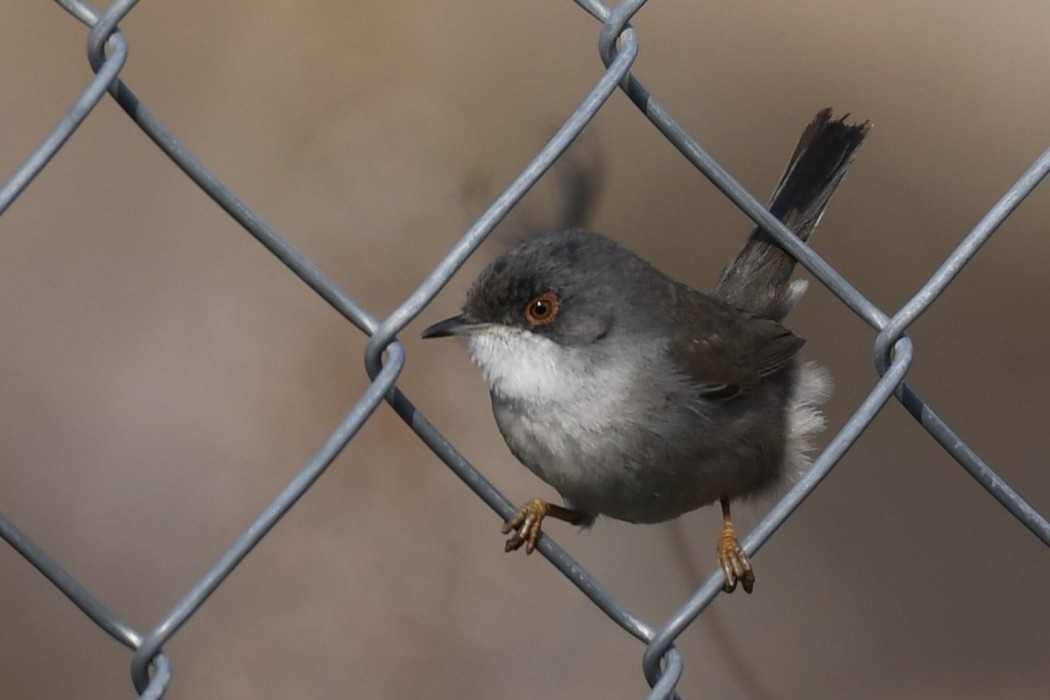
(639, 398)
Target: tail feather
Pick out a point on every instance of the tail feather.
(759, 280)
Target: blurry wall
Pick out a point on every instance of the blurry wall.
(161, 376)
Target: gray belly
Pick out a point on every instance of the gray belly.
(643, 468)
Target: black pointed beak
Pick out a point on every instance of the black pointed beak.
(457, 325)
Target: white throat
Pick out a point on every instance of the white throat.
(529, 368)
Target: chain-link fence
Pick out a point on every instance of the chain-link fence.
(385, 357)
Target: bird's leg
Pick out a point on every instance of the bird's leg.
(732, 557)
(526, 523)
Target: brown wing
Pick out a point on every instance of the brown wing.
(726, 351)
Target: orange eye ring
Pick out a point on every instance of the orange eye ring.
(542, 310)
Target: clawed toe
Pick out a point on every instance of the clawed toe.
(526, 526)
(732, 557)
(735, 565)
(526, 523)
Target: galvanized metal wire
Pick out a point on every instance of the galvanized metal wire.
(385, 358)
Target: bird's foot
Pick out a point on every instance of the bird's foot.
(735, 564)
(734, 561)
(526, 523)
(526, 526)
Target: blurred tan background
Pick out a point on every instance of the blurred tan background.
(162, 376)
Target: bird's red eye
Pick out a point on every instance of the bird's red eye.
(542, 309)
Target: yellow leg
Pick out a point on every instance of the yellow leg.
(732, 557)
(526, 523)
